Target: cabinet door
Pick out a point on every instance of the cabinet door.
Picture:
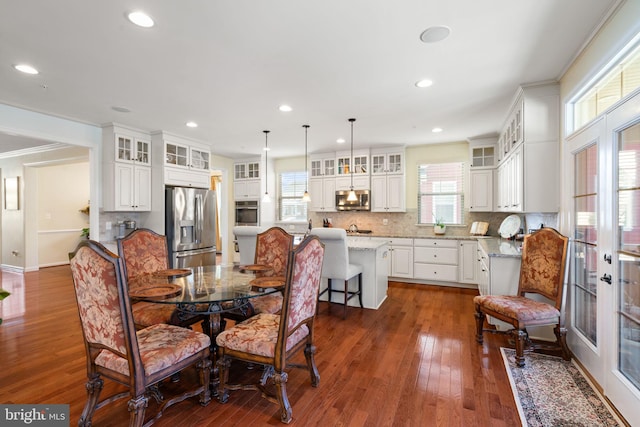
(199, 159)
(317, 196)
(379, 193)
(395, 163)
(142, 189)
(125, 150)
(468, 259)
(378, 164)
(402, 261)
(395, 193)
(316, 168)
(123, 186)
(481, 188)
(176, 155)
(143, 152)
(240, 171)
(253, 170)
(360, 164)
(329, 194)
(329, 167)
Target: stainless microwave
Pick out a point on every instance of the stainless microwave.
(247, 212)
(360, 204)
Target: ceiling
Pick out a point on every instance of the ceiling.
(228, 65)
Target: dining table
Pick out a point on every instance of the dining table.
(203, 290)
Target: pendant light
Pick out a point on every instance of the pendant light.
(266, 198)
(305, 197)
(352, 194)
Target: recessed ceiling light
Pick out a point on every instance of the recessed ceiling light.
(340, 140)
(436, 130)
(435, 34)
(27, 69)
(121, 109)
(192, 124)
(141, 19)
(424, 83)
(285, 108)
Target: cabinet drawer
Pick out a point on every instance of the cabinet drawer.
(401, 241)
(436, 255)
(443, 273)
(186, 178)
(436, 243)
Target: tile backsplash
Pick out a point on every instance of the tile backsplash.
(404, 224)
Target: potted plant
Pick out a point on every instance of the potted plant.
(439, 227)
(85, 233)
(3, 295)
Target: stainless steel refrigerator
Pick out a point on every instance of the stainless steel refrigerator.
(190, 221)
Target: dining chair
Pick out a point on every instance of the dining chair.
(543, 272)
(144, 252)
(137, 359)
(272, 339)
(337, 265)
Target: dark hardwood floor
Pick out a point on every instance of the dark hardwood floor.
(413, 362)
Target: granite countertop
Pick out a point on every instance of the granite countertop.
(497, 247)
(364, 244)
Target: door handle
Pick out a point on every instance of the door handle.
(606, 278)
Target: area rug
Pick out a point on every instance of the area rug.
(550, 392)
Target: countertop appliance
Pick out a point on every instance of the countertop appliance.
(360, 204)
(190, 219)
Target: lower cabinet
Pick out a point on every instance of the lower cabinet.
(435, 259)
(401, 259)
(467, 261)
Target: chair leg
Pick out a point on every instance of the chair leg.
(561, 335)
(309, 355)
(520, 337)
(346, 298)
(137, 407)
(360, 289)
(280, 380)
(224, 364)
(329, 290)
(94, 387)
(480, 316)
(204, 372)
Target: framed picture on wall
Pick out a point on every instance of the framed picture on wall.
(11, 201)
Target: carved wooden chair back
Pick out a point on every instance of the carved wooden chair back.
(143, 251)
(272, 248)
(138, 360)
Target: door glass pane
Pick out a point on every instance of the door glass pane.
(584, 277)
(629, 253)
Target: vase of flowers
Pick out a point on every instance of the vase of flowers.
(439, 227)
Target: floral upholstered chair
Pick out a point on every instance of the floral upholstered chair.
(272, 249)
(138, 360)
(145, 252)
(271, 339)
(543, 271)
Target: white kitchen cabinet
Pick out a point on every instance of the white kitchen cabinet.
(323, 194)
(481, 190)
(246, 170)
(467, 263)
(387, 161)
(388, 193)
(401, 259)
(528, 172)
(435, 259)
(247, 189)
(186, 163)
(126, 169)
(360, 182)
(323, 165)
(358, 164)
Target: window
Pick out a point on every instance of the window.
(291, 206)
(622, 78)
(441, 193)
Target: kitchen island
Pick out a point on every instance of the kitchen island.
(372, 255)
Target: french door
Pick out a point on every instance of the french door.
(605, 280)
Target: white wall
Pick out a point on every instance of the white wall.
(63, 190)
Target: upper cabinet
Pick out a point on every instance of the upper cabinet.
(126, 169)
(186, 162)
(323, 165)
(358, 164)
(482, 162)
(528, 152)
(388, 180)
(246, 180)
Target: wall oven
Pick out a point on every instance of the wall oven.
(247, 212)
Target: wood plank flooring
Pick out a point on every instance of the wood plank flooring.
(413, 362)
